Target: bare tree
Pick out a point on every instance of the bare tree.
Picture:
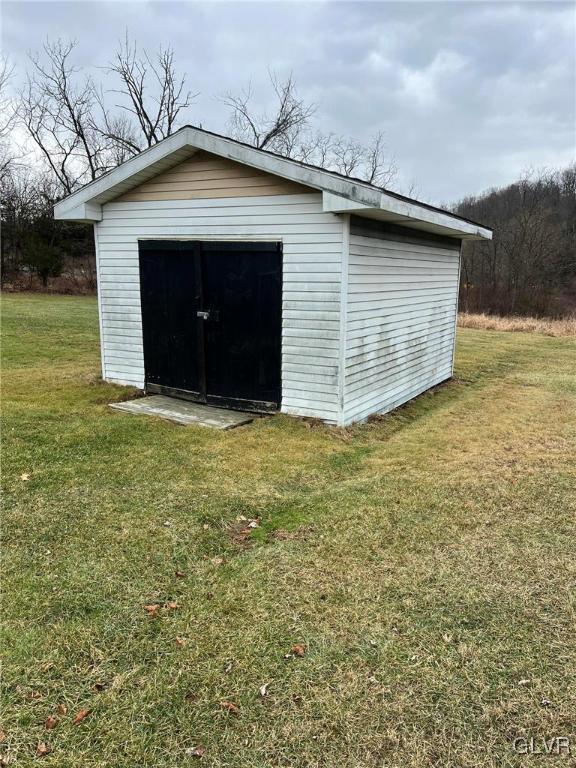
(348, 155)
(368, 162)
(57, 108)
(314, 148)
(66, 115)
(155, 94)
(278, 131)
(287, 131)
(7, 116)
(119, 130)
(378, 167)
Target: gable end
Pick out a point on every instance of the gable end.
(209, 176)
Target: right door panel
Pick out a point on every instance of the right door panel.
(242, 285)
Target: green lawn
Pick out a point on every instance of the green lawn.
(426, 561)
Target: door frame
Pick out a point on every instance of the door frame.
(194, 245)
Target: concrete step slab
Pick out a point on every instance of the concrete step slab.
(184, 412)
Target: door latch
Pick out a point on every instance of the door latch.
(209, 314)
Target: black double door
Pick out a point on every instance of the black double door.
(211, 317)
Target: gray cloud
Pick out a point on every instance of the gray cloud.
(468, 94)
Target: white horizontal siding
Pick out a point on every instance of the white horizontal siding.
(400, 320)
(312, 247)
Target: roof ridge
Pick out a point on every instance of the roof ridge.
(375, 187)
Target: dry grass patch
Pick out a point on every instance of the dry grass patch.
(563, 327)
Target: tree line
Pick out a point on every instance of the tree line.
(529, 268)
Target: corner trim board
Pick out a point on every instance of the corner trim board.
(457, 302)
(343, 316)
(99, 294)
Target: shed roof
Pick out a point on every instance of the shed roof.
(341, 194)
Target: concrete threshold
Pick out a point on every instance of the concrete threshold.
(184, 412)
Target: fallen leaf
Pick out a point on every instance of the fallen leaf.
(2, 735)
(179, 574)
(172, 606)
(298, 649)
(229, 706)
(51, 722)
(152, 610)
(82, 715)
(42, 749)
(263, 690)
(195, 751)
(24, 476)
(180, 641)
(62, 709)
(217, 560)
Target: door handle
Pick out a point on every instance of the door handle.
(209, 314)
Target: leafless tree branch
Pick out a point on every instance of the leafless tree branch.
(156, 95)
(287, 131)
(7, 116)
(277, 131)
(57, 112)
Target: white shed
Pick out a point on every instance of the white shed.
(233, 276)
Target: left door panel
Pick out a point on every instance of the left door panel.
(171, 297)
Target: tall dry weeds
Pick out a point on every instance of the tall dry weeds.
(564, 327)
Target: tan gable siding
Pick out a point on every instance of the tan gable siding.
(205, 176)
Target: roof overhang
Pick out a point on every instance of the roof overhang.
(340, 194)
(408, 214)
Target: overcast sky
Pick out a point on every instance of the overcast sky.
(468, 94)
